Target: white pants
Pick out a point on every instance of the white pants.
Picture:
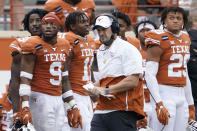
(174, 100)
(47, 112)
(85, 106)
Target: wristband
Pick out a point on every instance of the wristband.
(67, 94)
(70, 105)
(25, 104)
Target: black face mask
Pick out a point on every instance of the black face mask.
(75, 1)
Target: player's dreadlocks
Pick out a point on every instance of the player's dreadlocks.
(74, 18)
(40, 12)
(174, 9)
(122, 16)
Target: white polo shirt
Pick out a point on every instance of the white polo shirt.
(121, 59)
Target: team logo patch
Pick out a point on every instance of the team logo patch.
(38, 47)
(172, 42)
(45, 51)
(58, 8)
(165, 38)
(76, 41)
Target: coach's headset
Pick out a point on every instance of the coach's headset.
(115, 27)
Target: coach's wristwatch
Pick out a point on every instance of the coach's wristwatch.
(106, 90)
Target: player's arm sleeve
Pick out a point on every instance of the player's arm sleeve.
(152, 64)
(151, 81)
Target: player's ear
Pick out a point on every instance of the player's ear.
(72, 27)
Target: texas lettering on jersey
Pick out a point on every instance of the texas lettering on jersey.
(173, 63)
(83, 50)
(49, 64)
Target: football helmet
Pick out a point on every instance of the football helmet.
(18, 126)
(192, 125)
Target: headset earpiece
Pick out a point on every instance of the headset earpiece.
(115, 25)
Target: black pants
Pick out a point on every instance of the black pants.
(114, 121)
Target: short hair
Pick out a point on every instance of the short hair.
(73, 18)
(40, 12)
(174, 9)
(143, 22)
(122, 16)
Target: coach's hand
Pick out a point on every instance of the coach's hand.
(26, 116)
(191, 113)
(162, 113)
(74, 118)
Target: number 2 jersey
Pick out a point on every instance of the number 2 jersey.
(83, 55)
(49, 64)
(173, 61)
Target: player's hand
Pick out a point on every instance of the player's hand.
(191, 113)
(26, 116)
(162, 113)
(142, 123)
(17, 116)
(74, 118)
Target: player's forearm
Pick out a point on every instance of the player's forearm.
(13, 91)
(126, 84)
(150, 78)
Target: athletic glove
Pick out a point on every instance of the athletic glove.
(142, 123)
(17, 116)
(191, 113)
(74, 117)
(162, 113)
(26, 116)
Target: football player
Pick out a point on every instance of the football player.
(31, 22)
(125, 23)
(140, 30)
(44, 79)
(82, 56)
(63, 8)
(166, 72)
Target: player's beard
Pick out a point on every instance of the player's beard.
(48, 38)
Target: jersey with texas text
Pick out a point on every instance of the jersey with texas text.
(83, 55)
(173, 61)
(49, 64)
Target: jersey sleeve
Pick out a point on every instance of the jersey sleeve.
(15, 47)
(50, 5)
(152, 38)
(30, 46)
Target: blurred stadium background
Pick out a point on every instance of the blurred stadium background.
(10, 28)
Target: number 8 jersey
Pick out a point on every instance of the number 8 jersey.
(49, 64)
(173, 61)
